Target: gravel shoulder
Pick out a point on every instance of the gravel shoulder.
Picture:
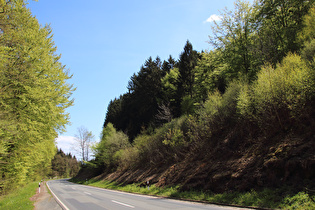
(44, 200)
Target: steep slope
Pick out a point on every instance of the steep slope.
(236, 162)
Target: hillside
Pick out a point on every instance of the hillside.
(235, 161)
(235, 119)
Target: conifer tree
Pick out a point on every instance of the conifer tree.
(186, 65)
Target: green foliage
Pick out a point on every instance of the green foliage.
(136, 110)
(219, 108)
(245, 105)
(279, 24)
(280, 94)
(169, 84)
(260, 76)
(308, 32)
(174, 132)
(307, 37)
(19, 198)
(174, 137)
(211, 106)
(308, 53)
(128, 157)
(209, 75)
(235, 36)
(301, 201)
(34, 94)
(188, 105)
(114, 112)
(64, 166)
(167, 144)
(108, 150)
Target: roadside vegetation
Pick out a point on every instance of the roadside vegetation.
(19, 198)
(268, 198)
(34, 93)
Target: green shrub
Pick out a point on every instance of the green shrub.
(280, 96)
(244, 102)
(128, 157)
(283, 92)
(299, 201)
(112, 141)
(174, 137)
(164, 145)
(221, 108)
(212, 106)
(174, 133)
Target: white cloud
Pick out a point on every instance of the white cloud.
(213, 18)
(66, 144)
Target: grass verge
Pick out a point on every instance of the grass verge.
(19, 198)
(282, 198)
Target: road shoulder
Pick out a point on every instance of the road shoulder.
(44, 200)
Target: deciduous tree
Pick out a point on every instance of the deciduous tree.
(34, 94)
(83, 140)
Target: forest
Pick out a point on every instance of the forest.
(34, 94)
(241, 114)
(63, 165)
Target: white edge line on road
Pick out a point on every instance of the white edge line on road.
(87, 193)
(123, 204)
(117, 191)
(159, 197)
(62, 205)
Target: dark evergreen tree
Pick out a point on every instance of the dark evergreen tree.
(114, 113)
(186, 64)
(145, 90)
(63, 165)
(168, 65)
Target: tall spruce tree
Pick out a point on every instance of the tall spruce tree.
(145, 89)
(186, 65)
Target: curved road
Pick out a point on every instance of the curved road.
(74, 196)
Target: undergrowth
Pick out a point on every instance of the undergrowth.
(19, 198)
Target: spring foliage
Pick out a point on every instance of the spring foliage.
(34, 94)
(260, 73)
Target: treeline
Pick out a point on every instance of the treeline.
(259, 79)
(64, 165)
(244, 40)
(34, 94)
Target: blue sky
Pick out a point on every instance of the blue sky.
(104, 43)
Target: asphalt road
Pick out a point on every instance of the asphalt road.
(74, 196)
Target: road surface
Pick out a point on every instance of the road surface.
(74, 196)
